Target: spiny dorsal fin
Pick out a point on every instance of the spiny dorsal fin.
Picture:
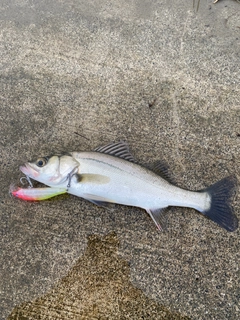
(117, 149)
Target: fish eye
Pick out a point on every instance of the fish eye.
(41, 162)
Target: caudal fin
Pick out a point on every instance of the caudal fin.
(221, 211)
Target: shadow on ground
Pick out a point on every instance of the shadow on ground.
(97, 287)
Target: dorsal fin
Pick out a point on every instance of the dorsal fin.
(118, 149)
(161, 168)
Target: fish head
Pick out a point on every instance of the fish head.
(52, 171)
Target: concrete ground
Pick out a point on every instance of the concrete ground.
(163, 75)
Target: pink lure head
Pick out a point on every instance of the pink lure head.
(21, 194)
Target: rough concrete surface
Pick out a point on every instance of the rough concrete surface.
(163, 75)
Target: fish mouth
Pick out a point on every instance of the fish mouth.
(29, 171)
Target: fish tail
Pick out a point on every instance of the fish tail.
(220, 210)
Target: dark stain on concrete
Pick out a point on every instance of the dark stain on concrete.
(97, 287)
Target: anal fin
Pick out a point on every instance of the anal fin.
(159, 217)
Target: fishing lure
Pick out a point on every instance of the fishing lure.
(36, 194)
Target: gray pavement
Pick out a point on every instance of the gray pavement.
(163, 75)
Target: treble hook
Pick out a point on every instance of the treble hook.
(28, 180)
(70, 175)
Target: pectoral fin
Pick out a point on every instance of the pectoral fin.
(158, 217)
(92, 178)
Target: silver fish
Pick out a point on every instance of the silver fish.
(110, 174)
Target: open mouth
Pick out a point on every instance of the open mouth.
(28, 170)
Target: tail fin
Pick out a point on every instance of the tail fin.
(221, 211)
